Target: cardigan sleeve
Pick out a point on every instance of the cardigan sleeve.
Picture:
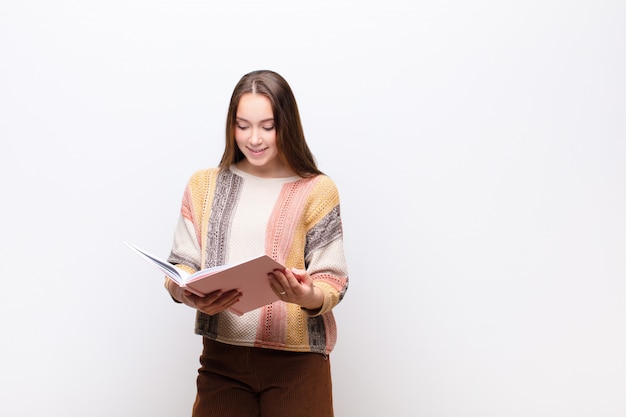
(186, 252)
(324, 253)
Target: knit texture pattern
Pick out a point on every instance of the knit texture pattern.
(303, 230)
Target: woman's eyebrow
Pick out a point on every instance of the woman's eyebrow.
(271, 119)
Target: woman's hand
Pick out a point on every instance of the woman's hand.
(296, 286)
(212, 303)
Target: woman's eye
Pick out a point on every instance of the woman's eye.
(242, 127)
(268, 128)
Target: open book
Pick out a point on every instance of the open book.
(249, 277)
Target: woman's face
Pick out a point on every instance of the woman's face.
(255, 135)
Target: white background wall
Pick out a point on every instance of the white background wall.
(479, 148)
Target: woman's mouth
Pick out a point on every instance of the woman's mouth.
(257, 151)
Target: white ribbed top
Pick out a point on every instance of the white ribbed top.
(253, 210)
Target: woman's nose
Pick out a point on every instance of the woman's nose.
(255, 135)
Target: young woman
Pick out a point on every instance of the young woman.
(266, 196)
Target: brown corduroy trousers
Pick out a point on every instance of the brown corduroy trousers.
(236, 381)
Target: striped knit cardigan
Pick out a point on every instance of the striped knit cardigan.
(304, 231)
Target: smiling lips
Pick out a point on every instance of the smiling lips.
(257, 151)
